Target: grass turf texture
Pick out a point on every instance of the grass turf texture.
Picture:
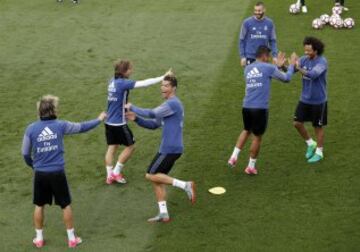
(68, 51)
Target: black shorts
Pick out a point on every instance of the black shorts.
(48, 185)
(119, 135)
(250, 61)
(317, 114)
(255, 120)
(162, 163)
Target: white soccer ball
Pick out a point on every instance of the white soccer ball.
(339, 23)
(349, 23)
(294, 9)
(337, 10)
(325, 18)
(317, 24)
(333, 19)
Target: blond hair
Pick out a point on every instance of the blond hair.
(48, 106)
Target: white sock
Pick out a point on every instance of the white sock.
(118, 167)
(319, 151)
(162, 207)
(309, 142)
(252, 162)
(71, 234)
(235, 153)
(179, 183)
(39, 234)
(298, 2)
(109, 170)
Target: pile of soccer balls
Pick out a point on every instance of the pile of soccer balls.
(334, 20)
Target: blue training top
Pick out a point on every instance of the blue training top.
(258, 77)
(255, 33)
(118, 92)
(314, 82)
(43, 145)
(169, 115)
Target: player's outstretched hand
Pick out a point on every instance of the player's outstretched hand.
(102, 116)
(280, 60)
(128, 106)
(243, 62)
(294, 59)
(131, 116)
(169, 73)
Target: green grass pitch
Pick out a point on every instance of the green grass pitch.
(68, 50)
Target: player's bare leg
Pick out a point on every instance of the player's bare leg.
(109, 157)
(311, 144)
(160, 193)
(73, 240)
(187, 186)
(254, 152)
(38, 241)
(243, 137)
(318, 155)
(123, 158)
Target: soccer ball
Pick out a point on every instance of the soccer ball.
(337, 10)
(325, 18)
(317, 24)
(349, 23)
(294, 9)
(339, 23)
(333, 19)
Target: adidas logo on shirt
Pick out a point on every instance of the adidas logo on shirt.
(111, 87)
(254, 73)
(46, 135)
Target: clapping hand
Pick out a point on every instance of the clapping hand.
(294, 59)
(280, 60)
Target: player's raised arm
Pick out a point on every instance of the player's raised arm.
(74, 128)
(152, 81)
(281, 76)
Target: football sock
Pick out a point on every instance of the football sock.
(179, 183)
(162, 207)
(235, 153)
(109, 170)
(71, 234)
(310, 141)
(252, 162)
(319, 151)
(39, 234)
(118, 167)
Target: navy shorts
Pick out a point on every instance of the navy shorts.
(49, 185)
(162, 163)
(255, 120)
(317, 114)
(119, 135)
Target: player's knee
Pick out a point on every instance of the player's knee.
(297, 124)
(148, 176)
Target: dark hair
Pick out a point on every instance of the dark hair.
(48, 106)
(262, 50)
(316, 44)
(121, 67)
(260, 3)
(172, 79)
